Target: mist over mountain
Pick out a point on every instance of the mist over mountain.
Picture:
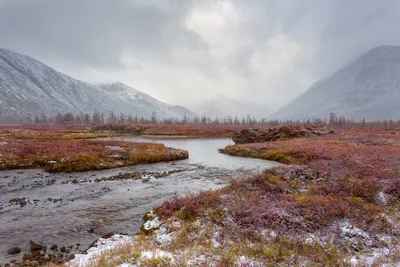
(29, 87)
(368, 87)
(222, 107)
(141, 103)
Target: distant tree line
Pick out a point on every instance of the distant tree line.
(99, 118)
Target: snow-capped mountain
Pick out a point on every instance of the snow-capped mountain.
(222, 107)
(368, 87)
(142, 103)
(29, 87)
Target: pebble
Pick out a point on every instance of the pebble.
(14, 251)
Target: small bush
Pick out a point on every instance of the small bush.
(190, 206)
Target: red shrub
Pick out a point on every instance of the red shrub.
(190, 205)
(367, 188)
(320, 211)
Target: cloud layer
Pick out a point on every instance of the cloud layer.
(182, 51)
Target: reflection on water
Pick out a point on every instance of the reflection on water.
(66, 209)
(205, 152)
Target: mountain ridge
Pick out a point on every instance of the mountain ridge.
(30, 87)
(367, 87)
(130, 95)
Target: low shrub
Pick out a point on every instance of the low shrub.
(189, 206)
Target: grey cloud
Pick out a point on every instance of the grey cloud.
(274, 49)
(93, 32)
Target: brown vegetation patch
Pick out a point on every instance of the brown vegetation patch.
(68, 151)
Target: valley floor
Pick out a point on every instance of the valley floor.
(336, 203)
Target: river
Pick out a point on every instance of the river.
(70, 209)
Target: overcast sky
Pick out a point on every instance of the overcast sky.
(183, 51)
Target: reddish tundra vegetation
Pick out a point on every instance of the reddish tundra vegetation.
(171, 129)
(68, 150)
(336, 203)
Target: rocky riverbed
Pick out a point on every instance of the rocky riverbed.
(66, 213)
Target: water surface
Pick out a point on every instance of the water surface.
(66, 209)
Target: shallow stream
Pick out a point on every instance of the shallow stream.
(71, 209)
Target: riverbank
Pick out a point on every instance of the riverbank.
(66, 209)
(171, 130)
(68, 150)
(336, 204)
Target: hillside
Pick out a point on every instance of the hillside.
(367, 87)
(29, 87)
(142, 103)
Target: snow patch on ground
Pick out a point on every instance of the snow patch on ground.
(214, 240)
(248, 262)
(115, 156)
(116, 148)
(162, 237)
(349, 231)
(150, 255)
(102, 245)
(382, 197)
(176, 224)
(268, 234)
(156, 255)
(371, 258)
(152, 224)
(311, 239)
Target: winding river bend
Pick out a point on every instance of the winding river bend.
(70, 209)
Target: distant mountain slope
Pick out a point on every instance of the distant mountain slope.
(223, 107)
(29, 87)
(368, 87)
(143, 103)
